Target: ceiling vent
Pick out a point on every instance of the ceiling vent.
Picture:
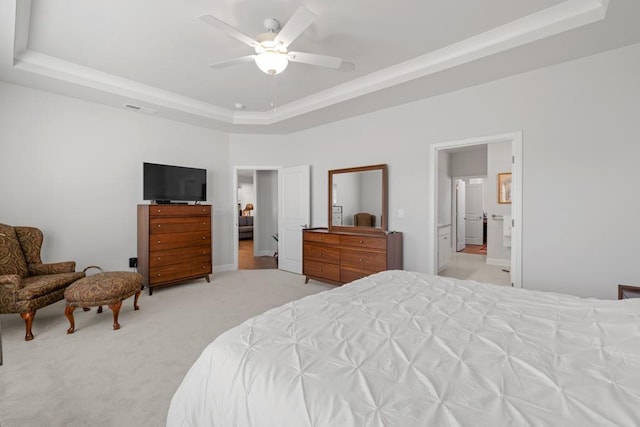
(140, 109)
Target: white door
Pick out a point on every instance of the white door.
(473, 214)
(460, 212)
(294, 199)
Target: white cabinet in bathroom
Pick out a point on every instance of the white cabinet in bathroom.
(444, 246)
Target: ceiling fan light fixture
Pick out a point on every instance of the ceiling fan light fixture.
(272, 62)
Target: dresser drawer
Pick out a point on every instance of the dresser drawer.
(321, 269)
(321, 237)
(178, 271)
(321, 253)
(178, 225)
(368, 242)
(159, 242)
(180, 255)
(178, 210)
(347, 275)
(363, 260)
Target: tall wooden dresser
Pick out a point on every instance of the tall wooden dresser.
(341, 257)
(174, 243)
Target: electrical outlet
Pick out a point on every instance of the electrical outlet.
(133, 262)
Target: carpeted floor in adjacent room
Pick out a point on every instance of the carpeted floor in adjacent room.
(101, 377)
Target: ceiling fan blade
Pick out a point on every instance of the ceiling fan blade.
(299, 22)
(215, 22)
(232, 62)
(315, 59)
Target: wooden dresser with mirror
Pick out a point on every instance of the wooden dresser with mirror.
(356, 243)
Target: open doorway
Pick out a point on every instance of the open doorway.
(257, 220)
(481, 158)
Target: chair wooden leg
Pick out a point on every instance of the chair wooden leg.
(116, 310)
(28, 320)
(68, 311)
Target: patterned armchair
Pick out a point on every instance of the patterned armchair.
(26, 284)
(364, 220)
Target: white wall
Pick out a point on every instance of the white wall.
(246, 195)
(74, 169)
(472, 161)
(580, 143)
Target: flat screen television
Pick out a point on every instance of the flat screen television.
(167, 183)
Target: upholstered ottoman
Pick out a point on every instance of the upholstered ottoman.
(110, 288)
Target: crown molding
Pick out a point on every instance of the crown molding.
(58, 69)
(548, 22)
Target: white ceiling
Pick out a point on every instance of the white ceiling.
(155, 53)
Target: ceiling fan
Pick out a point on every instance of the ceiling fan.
(272, 56)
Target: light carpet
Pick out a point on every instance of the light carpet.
(101, 377)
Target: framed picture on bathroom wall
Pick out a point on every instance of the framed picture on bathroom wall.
(504, 188)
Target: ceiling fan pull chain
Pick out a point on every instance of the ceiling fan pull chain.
(274, 104)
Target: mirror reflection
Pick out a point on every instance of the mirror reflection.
(357, 198)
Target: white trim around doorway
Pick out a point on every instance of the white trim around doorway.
(516, 203)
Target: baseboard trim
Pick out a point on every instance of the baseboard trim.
(499, 261)
(265, 253)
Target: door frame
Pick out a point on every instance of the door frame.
(516, 201)
(235, 205)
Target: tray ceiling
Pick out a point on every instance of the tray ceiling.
(155, 54)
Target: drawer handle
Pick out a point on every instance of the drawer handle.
(158, 241)
(361, 260)
(158, 274)
(159, 210)
(158, 258)
(320, 253)
(204, 237)
(320, 238)
(361, 241)
(321, 269)
(204, 266)
(203, 252)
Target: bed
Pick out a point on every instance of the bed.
(409, 349)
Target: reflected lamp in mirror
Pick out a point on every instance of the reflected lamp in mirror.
(360, 196)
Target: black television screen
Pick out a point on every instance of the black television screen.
(164, 183)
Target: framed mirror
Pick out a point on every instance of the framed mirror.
(358, 199)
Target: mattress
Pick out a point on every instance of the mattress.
(410, 349)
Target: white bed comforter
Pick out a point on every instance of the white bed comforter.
(409, 349)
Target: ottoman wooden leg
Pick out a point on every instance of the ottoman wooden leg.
(135, 301)
(116, 310)
(68, 311)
